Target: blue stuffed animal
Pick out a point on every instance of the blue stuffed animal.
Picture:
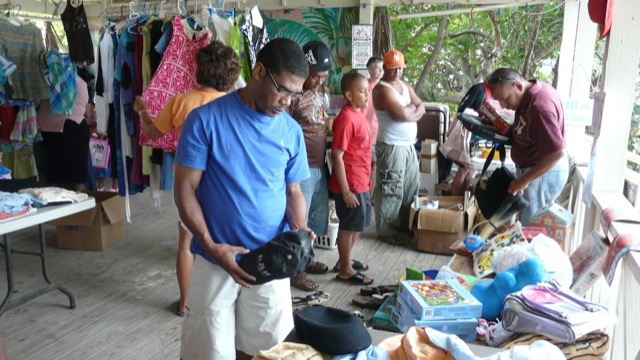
(492, 293)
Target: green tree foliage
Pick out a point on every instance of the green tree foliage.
(331, 26)
(474, 44)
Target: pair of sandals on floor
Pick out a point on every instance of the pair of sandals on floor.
(302, 282)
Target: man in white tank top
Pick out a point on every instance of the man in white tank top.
(398, 109)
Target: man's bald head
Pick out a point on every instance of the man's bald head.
(504, 75)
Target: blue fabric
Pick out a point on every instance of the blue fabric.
(7, 67)
(4, 172)
(101, 173)
(248, 159)
(316, 197)
(12, 203)
(370, 353)
(62, 78)
(543, 191)
(166, 179)
(124, 75)
(163, 43)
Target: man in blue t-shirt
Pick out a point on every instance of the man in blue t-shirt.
(239, 163)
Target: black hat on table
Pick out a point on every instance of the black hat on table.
(318, 56)
(285, 255)
(331, 331)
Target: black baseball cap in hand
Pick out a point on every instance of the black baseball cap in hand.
(284, 256)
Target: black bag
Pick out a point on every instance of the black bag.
(486, 131)
(495, 199)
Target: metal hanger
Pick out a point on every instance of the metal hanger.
(19, 7)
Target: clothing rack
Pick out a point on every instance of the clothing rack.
(155, 7)
(17, 8)
(11, 7)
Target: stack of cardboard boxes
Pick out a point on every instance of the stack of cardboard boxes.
(428, 168)
(443, 305)
(435, 230)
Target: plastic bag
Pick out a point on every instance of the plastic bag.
(100, 152)
(506, 258)
(456, 146)
(556, 262)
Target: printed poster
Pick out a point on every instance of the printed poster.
(361, 45)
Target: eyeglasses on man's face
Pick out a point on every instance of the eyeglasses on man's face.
(283, 91)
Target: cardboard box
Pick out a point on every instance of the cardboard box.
(427, 184)
(558, 221)
(429, 164)
(438, 300)
(429, 147)
(93, 229)
(381, 319)
(429, 157)
(436, 230)
(487, 111)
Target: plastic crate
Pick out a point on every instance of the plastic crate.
(328, 241)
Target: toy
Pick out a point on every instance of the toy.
(492, 293)
(473, 242)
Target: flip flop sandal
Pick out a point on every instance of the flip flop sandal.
(316, 267)
(355, 279)
(380, 290)
(369, 302)
(302, 282)
(177, 310)
(316, 298)
(357, 265)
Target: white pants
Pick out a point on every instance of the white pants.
(224, 316)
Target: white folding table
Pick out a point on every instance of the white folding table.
(39, 218)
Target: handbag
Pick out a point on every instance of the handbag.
(100, 151)
(456, 146)
(556, 313)
(495, 192)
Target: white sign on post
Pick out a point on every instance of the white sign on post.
(361, 45)
(596, 124)
(578, 111)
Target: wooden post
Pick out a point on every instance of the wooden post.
(621, 73)
(574, 69)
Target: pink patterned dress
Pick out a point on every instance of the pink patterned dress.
(175, 75)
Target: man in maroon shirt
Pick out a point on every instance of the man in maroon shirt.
(537, 136)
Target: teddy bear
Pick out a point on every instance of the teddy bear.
(492, 293)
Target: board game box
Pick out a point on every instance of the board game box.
(587, 263)
(381, 320)
(439, 299)
(404, 318)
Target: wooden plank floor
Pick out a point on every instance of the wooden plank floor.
(124, 293)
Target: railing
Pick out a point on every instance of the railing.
(632, 179)
(622, 296)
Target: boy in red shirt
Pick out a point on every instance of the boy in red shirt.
(351, 155)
